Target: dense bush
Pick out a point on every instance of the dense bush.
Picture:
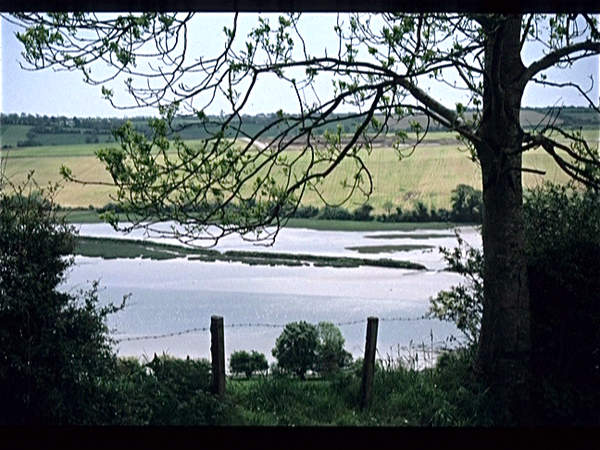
(54, 348)
(563, 258)
(165, 391)
(179, 393)
(563, 251)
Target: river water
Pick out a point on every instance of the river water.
(171, 301)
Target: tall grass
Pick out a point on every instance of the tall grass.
(167, 391)
(447, 394)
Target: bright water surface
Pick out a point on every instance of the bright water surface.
(171, 297)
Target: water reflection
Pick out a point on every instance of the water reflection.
(169, 297)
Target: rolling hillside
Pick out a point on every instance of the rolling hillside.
(429, 175)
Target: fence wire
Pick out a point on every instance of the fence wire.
(264, 325)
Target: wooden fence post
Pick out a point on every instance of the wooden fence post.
(366, 387)
(217, 351)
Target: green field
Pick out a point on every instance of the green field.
(429, 175)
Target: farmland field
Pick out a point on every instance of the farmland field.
(428, 175)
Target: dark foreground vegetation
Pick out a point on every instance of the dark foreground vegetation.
(59, 365)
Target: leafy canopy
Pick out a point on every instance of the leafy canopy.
(377, 70)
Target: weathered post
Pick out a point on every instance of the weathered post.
(366, 387)
(217, 351)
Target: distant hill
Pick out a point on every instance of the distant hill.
(26, 130)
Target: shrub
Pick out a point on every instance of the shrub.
(420, 213)
(306, 212)
(296, 348)
(166, 391)
(462, 304)
(55, 351)
(563, 251)
(467, 204)
(363, 213)
(563, 257)
(334, 213)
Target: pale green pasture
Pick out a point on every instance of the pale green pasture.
(47, 170)
(12, 134)
(429, 175)
(54, 151)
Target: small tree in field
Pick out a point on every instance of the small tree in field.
(296, 348)
(248, 363)
(467, 204)
(331, 354)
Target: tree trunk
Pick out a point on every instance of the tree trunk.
(504, 345)
(505, 329)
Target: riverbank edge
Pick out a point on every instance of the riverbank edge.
(111, 248)
(91, 216)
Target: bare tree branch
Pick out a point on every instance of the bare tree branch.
(557, 55)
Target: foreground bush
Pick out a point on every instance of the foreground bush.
(563, 252)
(165, 391)
(55, 353)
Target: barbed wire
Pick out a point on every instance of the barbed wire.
(265, 325)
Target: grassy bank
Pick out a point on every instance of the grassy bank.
(177, 392)
(87, 215)
(365, 226)
(447, 395)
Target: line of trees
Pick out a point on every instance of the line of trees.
(300, 348)
(466, 207)
(572, 116)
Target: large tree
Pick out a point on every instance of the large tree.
(384, 67)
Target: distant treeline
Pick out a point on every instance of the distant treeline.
(41, 128)
(63, 122)
(189, 128)
(466, 207)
